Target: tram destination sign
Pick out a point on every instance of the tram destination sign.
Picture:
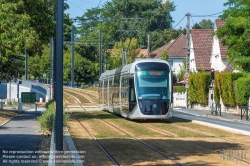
(153, 73)
(28, 97)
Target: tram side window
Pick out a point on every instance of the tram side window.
(100, 92)
(132, 94)
(110, 89)
(132, 90)
(116, 88)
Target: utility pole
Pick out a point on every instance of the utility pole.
(148, 46)
(122, 54)
(72, 56)
(188, 54)
(105, 59)
(26, 65)
(51, 67)
(100, 52)
(124, 51)
(125, 56)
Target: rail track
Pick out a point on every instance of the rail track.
(223, 154)
(137, 139)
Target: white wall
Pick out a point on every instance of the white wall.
(179, 99)
(177, 63)
(192, 63)
(26, 86)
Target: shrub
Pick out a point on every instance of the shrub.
(179, 89)
(47, 118)
(225, 88)
(242, 89)
(198, 88)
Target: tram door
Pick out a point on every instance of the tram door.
(132, 98)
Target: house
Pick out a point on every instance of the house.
(176, 50)
(143, 53)
(201, 48)
(206, 51)
(218, 59)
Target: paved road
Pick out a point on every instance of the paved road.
(20, 139)
(226, 121)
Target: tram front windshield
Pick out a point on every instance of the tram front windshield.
(152, 85)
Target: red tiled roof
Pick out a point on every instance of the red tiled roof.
(223, 49)
(202, 44)
(219, 23)
(228, 68)
(175, 48)
(143, 53)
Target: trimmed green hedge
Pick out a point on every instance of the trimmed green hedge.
(242, 90)
(47, 117)
(233, 88)
(224, 87)
(199, 88)
(179, 89)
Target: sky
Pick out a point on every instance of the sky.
(199, 9)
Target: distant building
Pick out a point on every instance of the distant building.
(218, 58)
(176, 50)
(143, 53)
(206, 51)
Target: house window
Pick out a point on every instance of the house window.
(171, 63)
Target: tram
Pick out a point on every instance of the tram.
(139, 90)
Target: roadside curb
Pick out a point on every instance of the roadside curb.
(73, 151)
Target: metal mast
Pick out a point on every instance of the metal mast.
(188, 55)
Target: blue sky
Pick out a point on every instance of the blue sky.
(201, 8)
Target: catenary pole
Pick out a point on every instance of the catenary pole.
(100, 50)
(59, 77)
(51, 67)
(148, 46)
(188, 54)
(72, 56)
(26, 65)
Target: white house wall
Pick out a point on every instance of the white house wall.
(177, 63)
(192, 63)
(216, 60)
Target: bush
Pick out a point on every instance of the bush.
(179, 89)
(47, 118)
(198, 88)
(242, 89)
(224, 88)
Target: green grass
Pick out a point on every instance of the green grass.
(129, 126)
(97, 126)
(80, 97)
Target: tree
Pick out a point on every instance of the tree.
(159, 38)
(34, 67)
(204, 24)
(144, 16)
(85, 70)
(235, 33)
(25, 25)
(164, 55)
(180, 75)
(196, 26)
(116, 55)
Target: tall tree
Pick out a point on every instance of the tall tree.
(235, 33)
(120, 19)
(204, 24)
(25, 25)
